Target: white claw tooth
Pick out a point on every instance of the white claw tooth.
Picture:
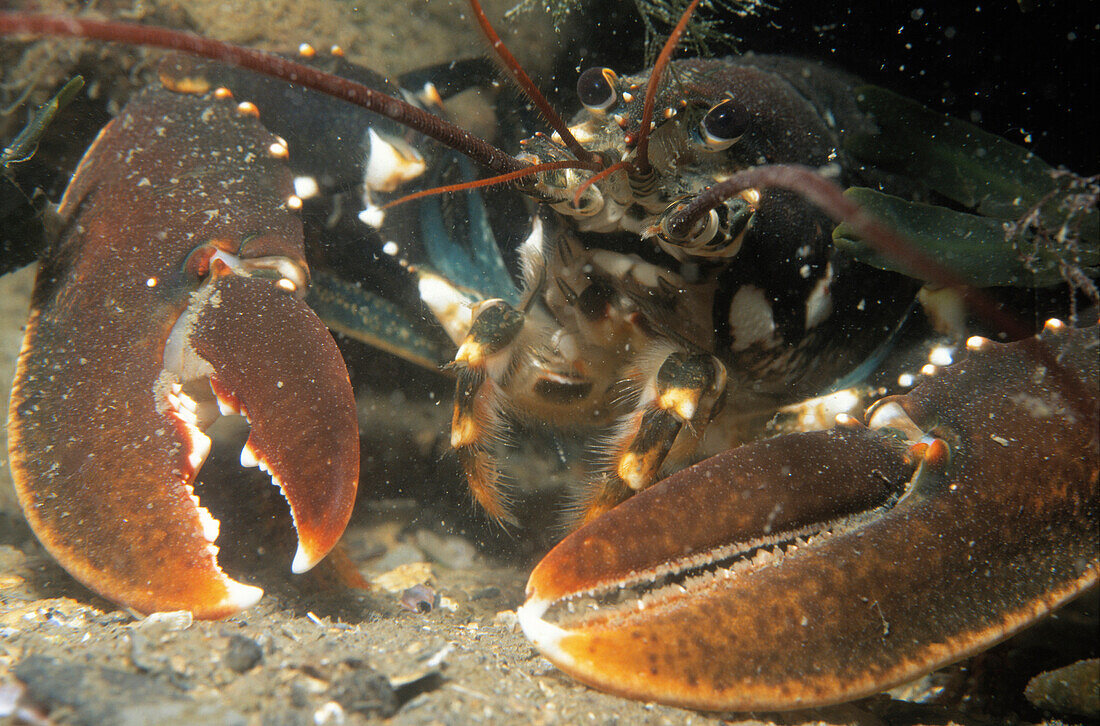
(200, 448)
(543, 635)
(248, 457)
(303, 561)
(242, 596)
(210, 526)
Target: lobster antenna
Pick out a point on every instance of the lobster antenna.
(528, 87)
(617, 166)
(271, 65)
(490, 181)
(641, 163)
(830, 198)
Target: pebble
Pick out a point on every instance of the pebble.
(242, 653)
(506, 619)
(403, 577)
(449, 551)
(287, 717)
(156, 625)
(99, 695)
(418, 599)
(367, 692)
(400, 554)
(486, 593)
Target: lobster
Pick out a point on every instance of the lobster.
(696, 172)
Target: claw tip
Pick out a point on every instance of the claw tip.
(241, 597)
(304, 560)
(545, 636)
(249, 457)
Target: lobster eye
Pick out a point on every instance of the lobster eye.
(596, 89)
(723, 125)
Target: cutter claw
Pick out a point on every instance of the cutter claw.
(870, 567)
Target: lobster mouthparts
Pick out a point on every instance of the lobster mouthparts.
(181, 261)
(816, 568)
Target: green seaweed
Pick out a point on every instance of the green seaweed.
(985, 251)
(22, 231)
(25, 143)
(1025, 223)
(967, 165)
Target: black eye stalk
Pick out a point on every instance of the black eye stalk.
(723, 125)
(596, 88)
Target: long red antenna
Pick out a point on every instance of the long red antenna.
(272, 65)
(641, 162)
(490, 182)
(528, 87)
(617, 166)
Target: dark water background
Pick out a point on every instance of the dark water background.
(1016, 73)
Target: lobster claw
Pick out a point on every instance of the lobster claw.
(274, 361)
(181, 261)
(815, 568)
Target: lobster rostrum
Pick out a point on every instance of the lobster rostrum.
(649, 303)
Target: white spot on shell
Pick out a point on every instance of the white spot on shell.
(372, 216)
(941, 355)
(391, 163)
(751, 318)
(819, 305)
(306, 187)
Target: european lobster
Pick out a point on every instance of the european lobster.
(700, 174)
